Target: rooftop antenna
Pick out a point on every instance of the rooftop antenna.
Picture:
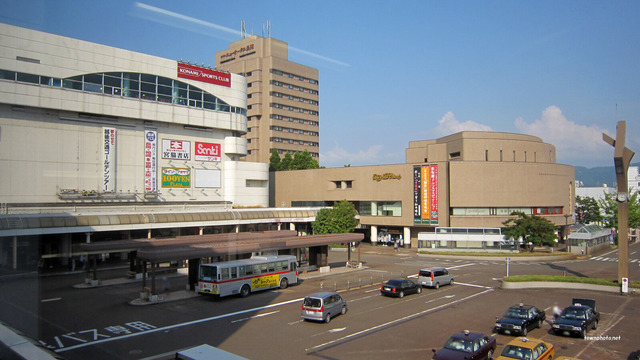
(244, 31)
(269, 28)
(262, 30)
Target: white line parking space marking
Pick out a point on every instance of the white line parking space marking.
(318, 347)
(459, 266)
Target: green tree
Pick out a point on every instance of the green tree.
(274, 161)
(303, 160)
(588, 210)
(609, 206)
(341, 218)
(532, 229)
(286, 162)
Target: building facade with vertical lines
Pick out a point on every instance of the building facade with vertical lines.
(282, 98)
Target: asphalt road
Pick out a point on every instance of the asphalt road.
(99, 323)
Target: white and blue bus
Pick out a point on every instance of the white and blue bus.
(242, 277)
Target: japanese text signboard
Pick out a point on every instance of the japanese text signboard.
(176, 178)
(150, 161)
(425, 194)
(207, 152)
(108, 159)
(176, 149)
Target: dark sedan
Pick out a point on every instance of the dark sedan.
(400, 288)
(519, 319)
(467, 345)
(577, 318)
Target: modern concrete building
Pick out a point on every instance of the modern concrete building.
(465, 180)
(100, 143)
(282, 97)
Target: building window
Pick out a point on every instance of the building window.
(380, 208)
(454, 155)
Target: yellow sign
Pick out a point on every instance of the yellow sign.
(386, 176)
(265, 281)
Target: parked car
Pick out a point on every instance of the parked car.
(519, 319)
(400, 288)
(527, 349)
(434, 277)
(577, 319)
(323, 306)
(467, 345)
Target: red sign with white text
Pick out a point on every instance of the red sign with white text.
(207, 152)
(198, 73)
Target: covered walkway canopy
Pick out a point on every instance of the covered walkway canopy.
(196, 247)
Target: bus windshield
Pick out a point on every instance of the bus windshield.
(209, 272)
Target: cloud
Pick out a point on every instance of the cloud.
(189, 23)
(576, 144)
(448, 125)
(338, 156)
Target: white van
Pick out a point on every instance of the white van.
(323, 306)
(435, 277)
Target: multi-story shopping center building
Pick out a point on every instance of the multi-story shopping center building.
(468, 180)
(282, 97)
(100, 143)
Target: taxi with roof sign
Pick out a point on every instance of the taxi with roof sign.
(523, 348)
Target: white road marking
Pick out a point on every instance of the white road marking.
(317, 347)
(51, 299)
(337, 330)
(459, 266)
(165, 328)
(474, 285)
(255, 316)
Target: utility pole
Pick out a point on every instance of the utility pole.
(622, 158)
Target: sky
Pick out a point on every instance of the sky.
(393, 72)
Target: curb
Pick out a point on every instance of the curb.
(510, 285)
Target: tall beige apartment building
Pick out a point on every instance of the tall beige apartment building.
(282, 97)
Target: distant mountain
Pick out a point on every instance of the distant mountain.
(598, 176)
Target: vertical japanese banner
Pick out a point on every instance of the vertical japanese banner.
(434, 193)
(417, 185)
(109, 160)
(150, 162)
(425, 193)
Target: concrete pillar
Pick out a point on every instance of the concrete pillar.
(407, 236)
(374, 234)
(149, 234)
(14, 253)
(201, 230)
(87, 237)
(237, 229)
(292, 226)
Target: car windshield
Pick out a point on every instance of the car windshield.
(516, 313)
(312, 302)
(517, 352)
(459, 344)
(573, 314)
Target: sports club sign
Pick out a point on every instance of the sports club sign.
(192, 72)
(207, 152)
(425, 194)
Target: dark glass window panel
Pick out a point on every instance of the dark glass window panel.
(29, 78)
(8, 75)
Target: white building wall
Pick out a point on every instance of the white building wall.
(51, 138)
(247, 183)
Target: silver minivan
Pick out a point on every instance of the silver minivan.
(323, 306)
(434, 277)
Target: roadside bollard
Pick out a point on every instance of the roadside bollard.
(322, 285)
(348, 285)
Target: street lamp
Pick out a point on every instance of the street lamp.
(621, 160)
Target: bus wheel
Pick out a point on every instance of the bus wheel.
(245, 291)
(284, 283)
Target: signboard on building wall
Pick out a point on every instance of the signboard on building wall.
(207, 152)
(176, 149)
(425, 194)
(108, 159)
(176, 178)
(192, 72)
(206, 178)
(150, 162)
